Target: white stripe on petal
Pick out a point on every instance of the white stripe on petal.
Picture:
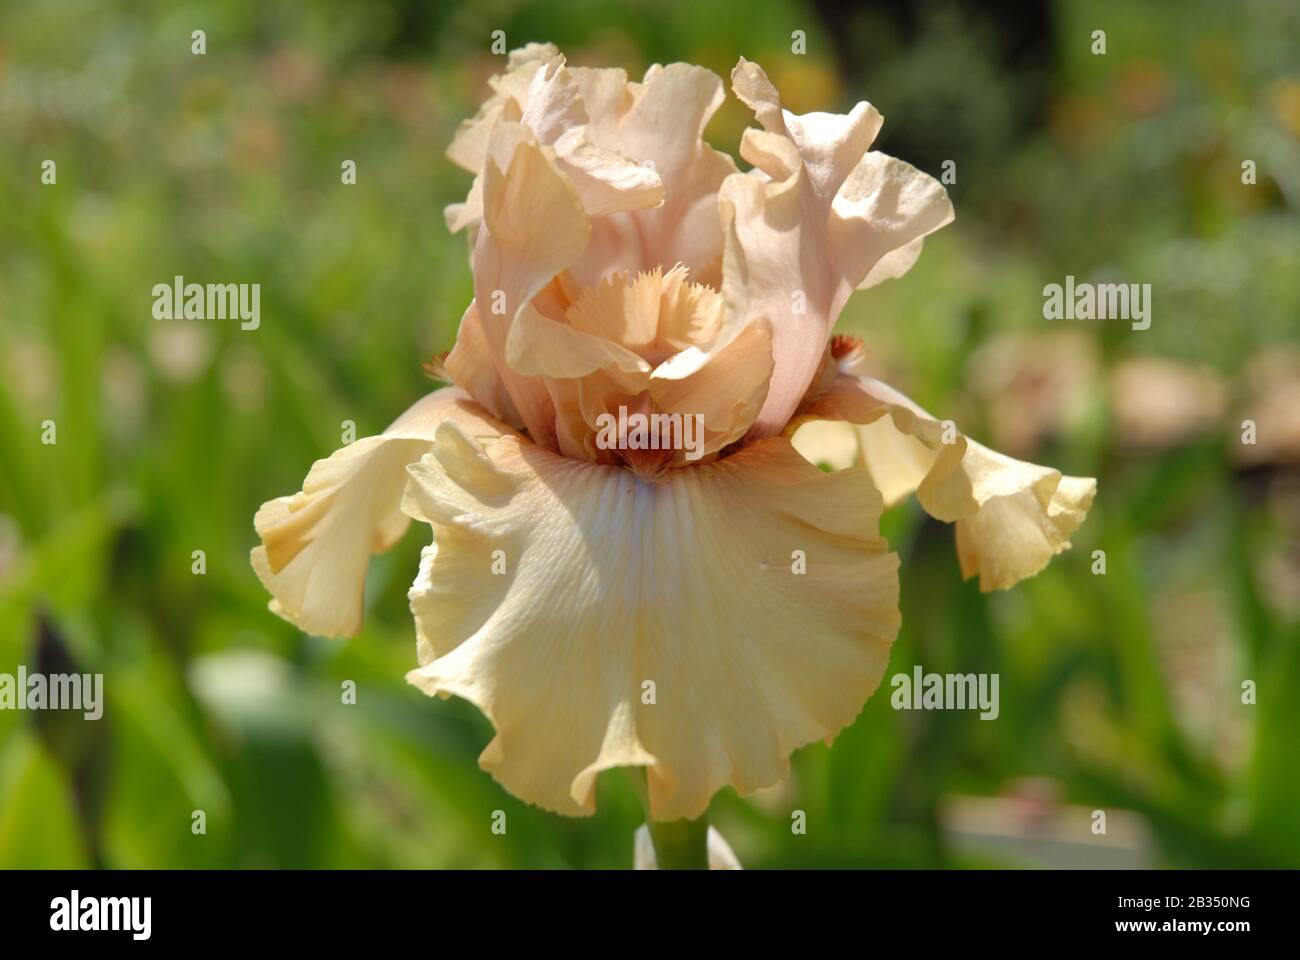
(703, 627)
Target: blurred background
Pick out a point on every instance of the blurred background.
(1120, 692)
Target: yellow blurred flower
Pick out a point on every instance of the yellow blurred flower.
(1286, 101)
(1159, 402)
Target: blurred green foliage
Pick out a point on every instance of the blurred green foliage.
(1122, 691)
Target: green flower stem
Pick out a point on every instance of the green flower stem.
(679, 844)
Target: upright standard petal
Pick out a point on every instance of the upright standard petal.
(539, 92)
(658, 123)
(703, 627)
(665, 127)
(470, 367)
(469, 147)
(316, 544)
(1012, 517)
(821, 217)
(533, 228)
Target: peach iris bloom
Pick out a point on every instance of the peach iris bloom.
(617, 607)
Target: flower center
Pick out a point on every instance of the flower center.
(654, 314)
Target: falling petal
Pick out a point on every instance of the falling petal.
(1012, 517)
(316, 544)
(691, 586)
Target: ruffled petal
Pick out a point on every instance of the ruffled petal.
(469, 147)
(725, 387)
(663, 625)
(821, 216)
(316, 544)
(533, 228)
(470, 366)
(1012, 517)
(665, 127)
(893, 264)
(582, 374)
(540, 347)
(658, 123)
(605, 180)
(651, 344)
(880, 215)
(539, 92)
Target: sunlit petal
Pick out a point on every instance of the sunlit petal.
(533, 228)
(1012, 517)
(819, 218)
(316, 544)
(672, 625)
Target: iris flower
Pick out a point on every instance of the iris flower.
(607, 606)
